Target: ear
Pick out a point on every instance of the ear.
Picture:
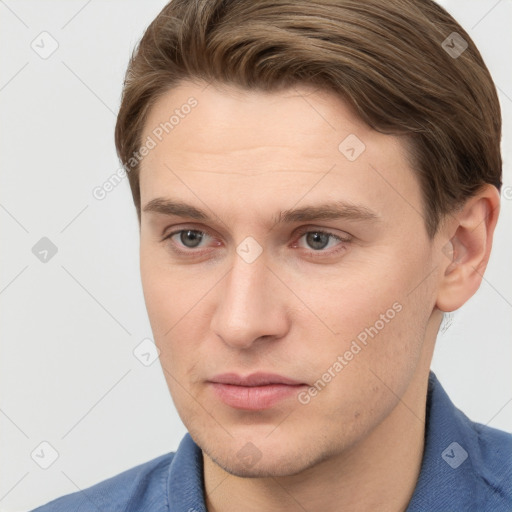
(464, 256)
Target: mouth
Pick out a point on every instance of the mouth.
(253, 392)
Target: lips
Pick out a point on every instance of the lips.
(253, 392)
(255, 379)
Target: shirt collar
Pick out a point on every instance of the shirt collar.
(451, 457)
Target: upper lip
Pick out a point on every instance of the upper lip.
(254, 379)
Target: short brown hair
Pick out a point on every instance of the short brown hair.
(390, 60)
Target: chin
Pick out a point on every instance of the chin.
(265, 457)
(270, 465)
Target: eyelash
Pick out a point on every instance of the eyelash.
(304, 231)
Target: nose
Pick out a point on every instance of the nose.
(251, 305)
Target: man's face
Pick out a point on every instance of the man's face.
(338, 305)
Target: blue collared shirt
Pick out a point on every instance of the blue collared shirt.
(466, 467)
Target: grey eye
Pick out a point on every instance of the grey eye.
(317, 240)
(191, 238)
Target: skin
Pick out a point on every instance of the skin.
(243, 156)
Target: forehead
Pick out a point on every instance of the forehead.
(263, 148)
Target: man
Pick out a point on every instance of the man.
(316, 183)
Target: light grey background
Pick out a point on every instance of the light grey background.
(69, 326)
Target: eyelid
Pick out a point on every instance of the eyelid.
(178, 229)
(312, 229)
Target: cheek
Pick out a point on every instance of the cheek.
(158, 293)
(340, 303)
(379, 317)
(176, 301)
(168, 290)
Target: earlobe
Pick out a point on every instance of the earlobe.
(464, 256)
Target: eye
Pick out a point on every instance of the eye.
(188, 238)
(318, 241)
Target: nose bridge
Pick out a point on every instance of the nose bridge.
(248, 305)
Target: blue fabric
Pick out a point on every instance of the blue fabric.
(466, 467)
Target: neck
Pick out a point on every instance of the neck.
(380, 472)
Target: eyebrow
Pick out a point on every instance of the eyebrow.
(329, 211)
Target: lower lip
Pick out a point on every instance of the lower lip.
(254, 397)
